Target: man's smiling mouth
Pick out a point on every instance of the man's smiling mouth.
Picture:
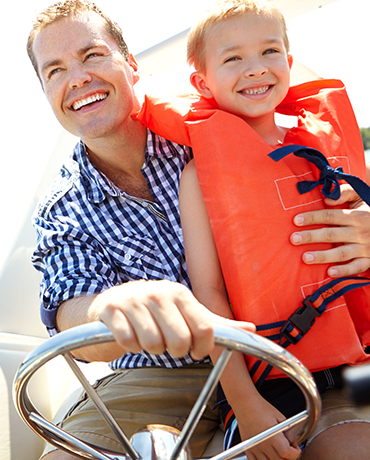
(89, 100)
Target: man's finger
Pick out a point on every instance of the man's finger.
(325, 235)
(338, 254)
(352, 268)
(244, 325)
(346, 253)
(359, 217)
(199, 321)
(204, 337)
(124, 309)
(324, 217)
(150, 334)
(122, 330)
(177, 336)
(347, 195)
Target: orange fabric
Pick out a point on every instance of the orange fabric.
(251, 202)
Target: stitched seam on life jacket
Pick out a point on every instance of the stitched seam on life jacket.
(293, 176)
(343, 157)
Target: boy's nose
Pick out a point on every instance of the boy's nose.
(255, 69)
(257, 73)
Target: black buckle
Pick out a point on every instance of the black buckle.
(302, 319)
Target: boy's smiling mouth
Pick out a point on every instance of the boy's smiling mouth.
(88, 100)
(252, 91)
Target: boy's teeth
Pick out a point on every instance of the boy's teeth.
(89, 100)
(256, 90)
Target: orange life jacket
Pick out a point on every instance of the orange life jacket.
(251, 201)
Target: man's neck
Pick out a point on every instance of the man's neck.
(121, 158)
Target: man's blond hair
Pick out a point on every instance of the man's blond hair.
(223, 10)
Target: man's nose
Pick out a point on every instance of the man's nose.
(79, 76)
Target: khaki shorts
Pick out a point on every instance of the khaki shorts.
(338, 409)
(138, 397)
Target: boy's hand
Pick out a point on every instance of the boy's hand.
(351, 227)
(261, 416)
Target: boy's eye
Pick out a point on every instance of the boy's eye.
(270, 51)
(231, 59)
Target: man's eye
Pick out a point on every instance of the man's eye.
(54, 71)
(91, 55)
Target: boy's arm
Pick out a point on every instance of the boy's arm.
(200, 251)
(253, 413)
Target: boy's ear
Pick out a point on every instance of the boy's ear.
(199, 83)
(290, 60)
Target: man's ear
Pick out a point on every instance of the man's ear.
(199, 83)
(135, 68)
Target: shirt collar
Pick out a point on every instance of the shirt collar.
(97, 184)
(157, 146)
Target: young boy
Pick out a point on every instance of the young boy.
(241, 54)
(228, 201)
(245, 66)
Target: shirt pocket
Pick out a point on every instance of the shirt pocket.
(136, 257)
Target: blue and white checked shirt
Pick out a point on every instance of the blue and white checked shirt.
(92, 236)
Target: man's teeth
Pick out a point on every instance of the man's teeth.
(89, 100)
(256, 90)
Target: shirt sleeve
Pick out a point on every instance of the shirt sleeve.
(73, 264)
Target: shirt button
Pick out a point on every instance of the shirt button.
(127, 256)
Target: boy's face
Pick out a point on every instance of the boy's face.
(247, 67)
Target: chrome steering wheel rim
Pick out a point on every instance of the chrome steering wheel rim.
(231, 339)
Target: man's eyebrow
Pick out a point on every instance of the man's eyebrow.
(80, 52)
(50, 63)
(90, 46)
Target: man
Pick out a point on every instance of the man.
(110, 223)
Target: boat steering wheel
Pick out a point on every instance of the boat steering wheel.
(143, 443)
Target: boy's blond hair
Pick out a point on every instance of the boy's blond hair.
(223, 10)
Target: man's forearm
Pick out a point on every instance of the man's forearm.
(82, 310)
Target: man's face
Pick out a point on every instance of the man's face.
(87, 81)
